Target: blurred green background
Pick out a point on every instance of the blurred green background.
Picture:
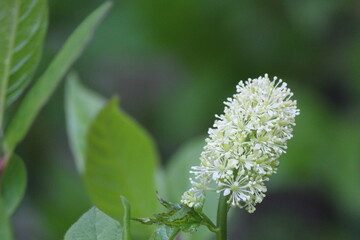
(173, 63)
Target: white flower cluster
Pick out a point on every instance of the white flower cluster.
(245, 143)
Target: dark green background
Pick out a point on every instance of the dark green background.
(173, 63)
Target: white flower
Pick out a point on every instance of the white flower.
(245, 143)
(218, 168)
(237, 188)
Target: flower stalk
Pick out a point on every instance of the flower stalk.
(222, 211)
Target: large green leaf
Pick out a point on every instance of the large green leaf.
(46, 84)
(120, 160)
(5, 228)
(177, 179)
(13, 184)
(81, 105)
(94, 225)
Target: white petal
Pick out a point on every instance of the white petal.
(226, 192)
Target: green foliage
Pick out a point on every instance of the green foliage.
(178, 217)
(23, 35)
(120, 160)
(13, 185)
(5, 229)
(81, 107)
(23, 25)
(94, 225)
(108, 166)
(46, 84)
(126, 218)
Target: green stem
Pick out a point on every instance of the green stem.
(222, 211)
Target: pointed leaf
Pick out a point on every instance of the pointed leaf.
(26, 34)
(81, 105)
(94, 225)
(13, 184)
(120, 160)
(46, 84)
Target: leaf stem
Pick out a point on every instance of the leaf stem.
(207, 221)
(222, 211)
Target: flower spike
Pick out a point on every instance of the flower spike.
(245, 143)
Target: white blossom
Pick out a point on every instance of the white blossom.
(245, 143)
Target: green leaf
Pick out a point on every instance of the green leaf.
(28, 27)
(120, 160)
(81, 105)
(164, 233)
(126, 218)
(23, 25)
(178, 216)
(46, 84)
(94, 225)
(5, 228)
(13, 184)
